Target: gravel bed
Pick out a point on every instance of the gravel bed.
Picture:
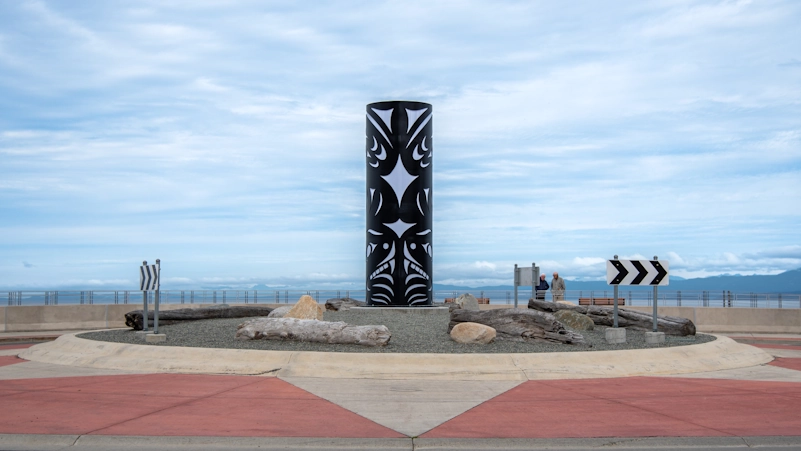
(411, 333)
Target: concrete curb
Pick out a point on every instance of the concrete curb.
(721, 354)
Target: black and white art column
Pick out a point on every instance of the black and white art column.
(399, 199)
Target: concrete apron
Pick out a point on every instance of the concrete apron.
(721, 354)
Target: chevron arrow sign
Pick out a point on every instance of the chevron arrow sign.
(149, 277)
(637, 272)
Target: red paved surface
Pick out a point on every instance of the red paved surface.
(9, 360)
(205, 405)
(633, 407)
(776, 346)
(793, 364)
(174, 404)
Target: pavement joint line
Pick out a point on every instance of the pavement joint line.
(187, 401)
(653, 412)
(723, 433)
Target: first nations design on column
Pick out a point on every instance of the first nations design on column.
(399, 213)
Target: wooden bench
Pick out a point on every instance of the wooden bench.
(480, 300)
(601, 301)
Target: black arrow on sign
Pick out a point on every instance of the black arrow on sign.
(622, 272)
(641, 270)
(143, 278)
(154, 278)
(661, 273)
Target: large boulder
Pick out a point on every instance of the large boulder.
(312, 330)
(467, 302)
(518, 325)
(337, 304)
(305, 308)
(472, 333)
(574, 320)
(630, 319)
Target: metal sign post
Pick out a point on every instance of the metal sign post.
(149, 280)
(156, 309)
(517, 283)
(636, 272)
(615, 310)
(525, 277)
(655, 297)
(145, 319)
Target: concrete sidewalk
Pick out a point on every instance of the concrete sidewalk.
(719, 397)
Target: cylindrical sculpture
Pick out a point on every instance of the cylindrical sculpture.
(399, 199)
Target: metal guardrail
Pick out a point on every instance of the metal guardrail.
(716, 298)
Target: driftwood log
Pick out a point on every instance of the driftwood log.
(518, 325)
(604, 316)
(312, 330)
(134, 319)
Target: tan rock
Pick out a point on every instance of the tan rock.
(472, 333)
(566, 302)
(305, 308)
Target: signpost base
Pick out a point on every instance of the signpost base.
(615, 335)
(654, 338)
(155, 338)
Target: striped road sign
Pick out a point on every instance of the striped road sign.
(637, 272)
(149, 277)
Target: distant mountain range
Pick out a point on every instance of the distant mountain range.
(786, 282)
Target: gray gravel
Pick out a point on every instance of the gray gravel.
(411, 333)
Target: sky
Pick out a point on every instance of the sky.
(227, 138)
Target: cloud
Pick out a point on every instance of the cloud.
(28, 265)
(784, 252)
(228, 138)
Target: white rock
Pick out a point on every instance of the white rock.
(280, 311)
(467, 302)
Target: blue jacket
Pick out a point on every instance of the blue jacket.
(543, 286)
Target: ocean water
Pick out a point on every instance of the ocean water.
(640, 297)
